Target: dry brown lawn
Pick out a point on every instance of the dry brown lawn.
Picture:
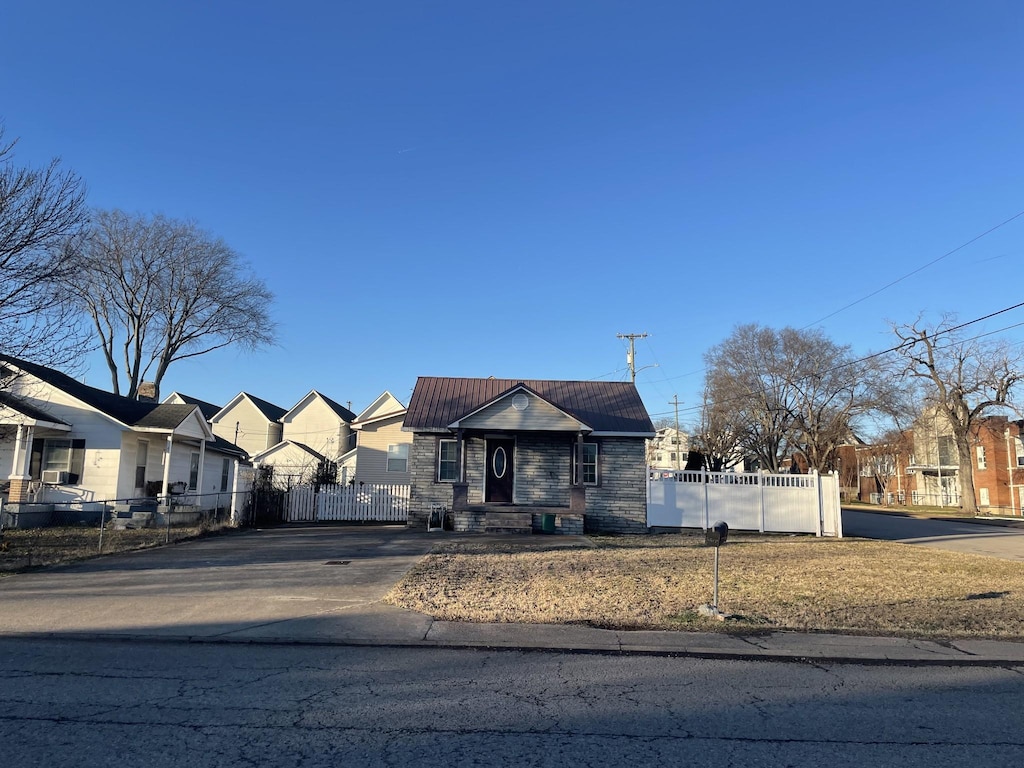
(29, 548)
(767, 583)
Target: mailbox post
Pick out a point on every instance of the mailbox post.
(716, 536)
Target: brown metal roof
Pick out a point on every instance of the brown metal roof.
(605, 406)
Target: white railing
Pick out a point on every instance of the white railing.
(750, 501)
(364, 502)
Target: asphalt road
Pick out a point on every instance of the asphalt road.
(972, 538)
(121, 704)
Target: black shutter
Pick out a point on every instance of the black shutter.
(77, 461)
(36, 462)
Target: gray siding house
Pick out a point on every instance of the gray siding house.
(528, 455)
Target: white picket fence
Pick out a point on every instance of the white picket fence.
(749, 501)
(363, 502)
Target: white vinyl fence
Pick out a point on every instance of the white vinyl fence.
(363, 502)
(748, 501)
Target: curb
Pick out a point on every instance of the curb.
(801, 655)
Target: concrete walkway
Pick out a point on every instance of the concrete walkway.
(324, 586)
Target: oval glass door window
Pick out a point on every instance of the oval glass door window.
(498, 462)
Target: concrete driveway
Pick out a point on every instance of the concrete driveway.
(312, 583)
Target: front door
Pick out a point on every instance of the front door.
(500, 460)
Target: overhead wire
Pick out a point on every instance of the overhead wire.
(657, 364)
(923, 267)
(890, 284)
(901, 345)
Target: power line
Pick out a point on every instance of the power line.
(919, 269)
(610, 373)
(901, 345)
(898, 280)
(657, 364)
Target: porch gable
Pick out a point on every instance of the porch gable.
(521, 410)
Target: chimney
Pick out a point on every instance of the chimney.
(147, 392)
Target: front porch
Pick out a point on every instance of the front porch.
(506, 518)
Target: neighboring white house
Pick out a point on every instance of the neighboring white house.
(293, 463)
(62, 441)
(316, 429)
(381, 454)
(320, 423)
(249, 422)
(668, 449)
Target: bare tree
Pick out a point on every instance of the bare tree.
(749, 390)
(964, 379)
(885, 459)
(160, 290)
(715, 438)
(790, 391)
(39, 209)
(835, 394)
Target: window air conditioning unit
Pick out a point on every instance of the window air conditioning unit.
(54, 477)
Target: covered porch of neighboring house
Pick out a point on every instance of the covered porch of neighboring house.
(28, 425)
(935, 485)
(55, 466)
(170, 487)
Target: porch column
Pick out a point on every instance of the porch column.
(578, 492)
(167, 467)
(459, 448)
(199, 477)
(21, 465)
(460, 490)
(236, 503)
(577, 481)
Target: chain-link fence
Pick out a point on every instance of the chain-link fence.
(48, 533)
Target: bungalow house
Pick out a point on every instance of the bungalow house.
(62, 441)
(522, 455)
(381, 453)
(316, 429)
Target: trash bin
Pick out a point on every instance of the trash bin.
(548, 522)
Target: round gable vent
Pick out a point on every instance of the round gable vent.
(520, 402)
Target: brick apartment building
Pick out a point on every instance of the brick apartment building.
(924, 469)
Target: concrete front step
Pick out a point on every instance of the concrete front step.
(506, 518)
(508, 522)
(509, 531)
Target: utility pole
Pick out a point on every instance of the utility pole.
(675, 402)
(631, 355)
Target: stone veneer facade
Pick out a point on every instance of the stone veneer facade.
(619, 503)
(543, 466)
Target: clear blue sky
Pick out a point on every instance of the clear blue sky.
(499, 188)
